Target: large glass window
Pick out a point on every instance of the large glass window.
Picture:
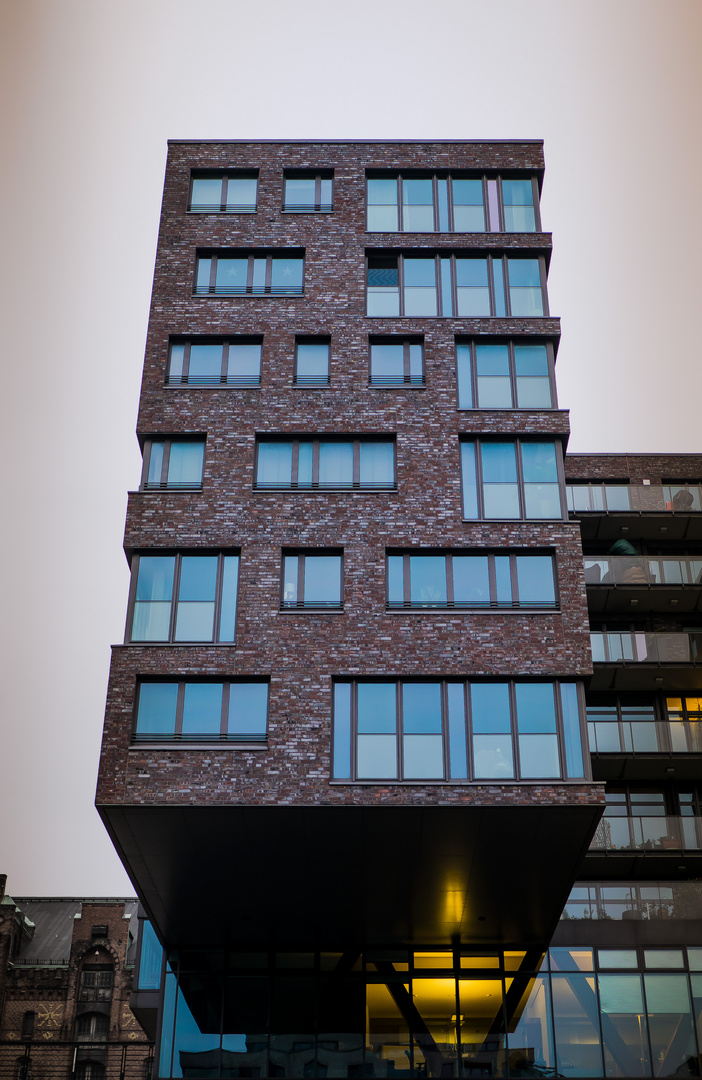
(249, 273)
(511, 479)
(233, 192)
(179, 597)
(505, 375)
(312, 579)
(444, 284)
(312, 361)
(308, 191)
(173, 464)
(471, 580)
(318, 464)
(396, 361)
(440, 730)
(432, 202)
(202, 711)
(215, 362)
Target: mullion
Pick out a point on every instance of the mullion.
(406, 581)
(542, 281)
(315, 462)
(356, 476)
(449, 199)
(174, 598)
(219, 584)
(295, 463)
(514, 585)
(406, 362)
(401, 282)
(354, 728)
(537, 203)
(435, 200)
(560, 732)
(468, 713)
(400, 204)
(399, 729)
(224, 192)
(513, 729)
(513, 372)
(443, 697)
(317, 191)
(492, 581)
(269, 275)
(132, 597)
(165, 463)
(249, 274)
(213, 274)
(500, 204)
(223, 374)
(223, 724)
(454, 284)
(300, 601)
(185, 374)
(180, 701)
(520, 479)
(448, 569)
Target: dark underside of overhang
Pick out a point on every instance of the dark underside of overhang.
(283, 876)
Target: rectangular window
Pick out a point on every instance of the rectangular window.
(312, 361)
(511, 480)
(448, 285)
(183, 598)
(229, 192)
(173, 464)
(457, 203)
(229, 712)
(505, 375)
(396, 361)
(312, 579)
(457, 731)
(471, 580)
(215, 362)
(308, 192)
(306, 463)
(249, 273)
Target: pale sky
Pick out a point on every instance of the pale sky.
(90, 90)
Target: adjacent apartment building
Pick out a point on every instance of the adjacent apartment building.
(346, 757)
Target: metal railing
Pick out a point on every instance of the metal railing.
(213, 380)
(617, 498)
(51, 1058)
(640, 901)
(644, 736)
(642, 647)
(653, 833)
(248, 290)
(641, 570)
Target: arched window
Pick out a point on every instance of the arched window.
(96, 981)
(92, 1027)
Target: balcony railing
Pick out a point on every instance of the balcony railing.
(647, 498)
(645, 736)
(633, 570)
(611, 647)
(648, 833)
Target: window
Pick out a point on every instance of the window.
(91, 1027)
(505, 375)
(397, 361)
(233, 192)
(511, 479)
(90, 1070)
(230, 712)
(685, 724)
(312, 579)
(456, 285)
(212, 362)
(183, 598)
(627, 725)
(312, 361)
(457, 203)
(100, 930)
(308, 191)
(173, 464)
(28, 1021)
(443, 730)
(471, 580)
(96, 982)
(249, 273)
(307, 463)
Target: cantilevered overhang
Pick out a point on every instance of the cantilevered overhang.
(294, 874)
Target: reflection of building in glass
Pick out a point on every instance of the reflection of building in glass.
(377, 620)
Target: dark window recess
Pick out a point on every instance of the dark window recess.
(505, 375)
(312, 579)
(325, 464)
(202, 712)
(396, 361)
(176, 597)
(99, 931)
(511, 479)
(208, 362)
(28, 1021)
(249, 273)
(92, 1027)
(308, 192)
(96, 983)
(311, 361)
(458, 203)
(230, 192)
(173, 464)
(479, 580)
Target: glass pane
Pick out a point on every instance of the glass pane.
(501, 500)
(322, 579)
(305, 460)
(196, 598)
(490, 708)
(503, 580)
(185, 464)
(342, 730)
(205, 363)
(421, 708)
(470, 487)
(150, 958)
(468, 218)
(202, 709)
(387, 362)
(156, 714)
(197, 1039)
(241, 191)
(530, 361)
(623, 1022)
(499, 462)
(446, 287)
(382, 191)
(670, 1023)
(290, 577)
(617, 958)
(471, 582)
(325, 187)
(300, 192)
(313, 360)
(428, 579)
(286, 275)
(467, 192)
(377, 464)
(335, 464)
(494, 385)
(482, 1026)
(248, 708)
(442, 192)
(571, 730)
(417, 371)
(423, 757)
(155, 464)
(396, 591)
(492, 757)
(498, 279)
(230, 581)
(418, 192)
(376, 703)
(152, 608)
(535, 579)
(663, 958)
(542, 501)
(204, 268)
(377, 757)
(274, 464)
(231, 275)
(577, 1030)
(382, 218)
(244, 362)
(458, 768)
(531, 1041)
(471, 272)
(538, 756)
(465, 390)
(535, 707)
(533, 393)
(206, 193)
(383, 301)
(258, 283)
(420, 301)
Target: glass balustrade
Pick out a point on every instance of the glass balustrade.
(641, 570)
(652, 832)
(650, 498)
(610, 647)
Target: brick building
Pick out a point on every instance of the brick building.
(349, 714)
(66, 968)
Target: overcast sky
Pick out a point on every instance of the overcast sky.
(92, 89)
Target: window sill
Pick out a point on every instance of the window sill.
(311, 609)
(548, 781)
(322, 209)
(514, 521)
(376, 385)
(218, 384)
(178, 744)
(466, 609)
(170, 487)
(219, 210)
(326, 490)
(182, 644)
(270, 292)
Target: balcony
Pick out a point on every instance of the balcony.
(618, 583)
(653, 511)
(645, 749)
(643, 848)
(643, 660)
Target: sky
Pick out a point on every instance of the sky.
(90, 91)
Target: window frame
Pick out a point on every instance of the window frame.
(406, 340)
(224, 380)
(493, 604)
(318, 207)
(316, 441)
(493, 206)
(309, 382)
(225, 176)
(511, 342)
(470, 779)
(168, 440)
(518, 441)
(450, 310)
(221, 739)
(178, 555)
(301, 554)
(251, 254)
